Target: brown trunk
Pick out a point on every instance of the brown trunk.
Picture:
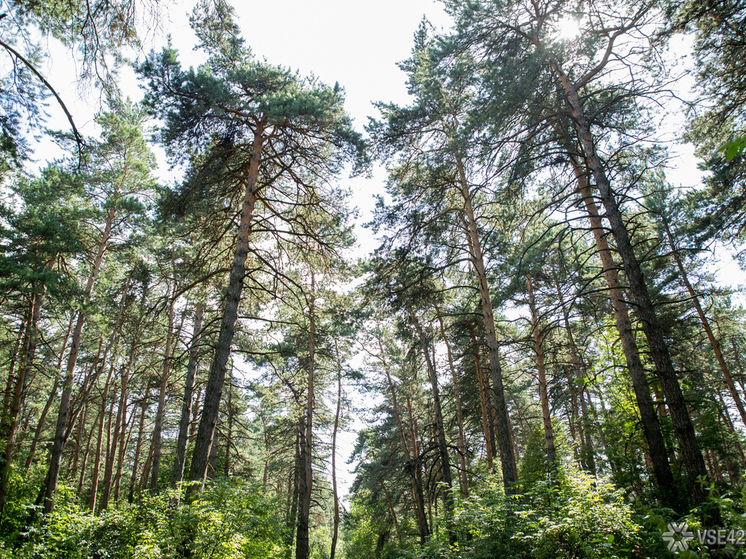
(412, 465)
(140, 436)
(705, 324)
(650, 423)
(123, 444)
(216, 378)
(335, 496)
(302, 544)
(17, 352)
(445, 462)
(161, 410)
(229, 434)
(50, 400)
(186, 405)
(507, 457)
(584, 426)
(690, 452)
(459, 413)
(542, 377)
(419, 494)
(99, 439)
(9, 426)
(484, 401)
(392, 512)
(67, 386)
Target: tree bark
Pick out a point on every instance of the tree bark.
(302, 544)
(335, 496)
(459, 413)
(484, 401)
(216, 378)
(412, 464)
(186, 405)
(507, 457)
(72, 359)
(705, 324)
(161, 410)
(9, 427)
(445, 462)
(542, 378)
(649, 419)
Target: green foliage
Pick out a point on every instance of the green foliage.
(733, 148)
(577, 516)
(228, 521)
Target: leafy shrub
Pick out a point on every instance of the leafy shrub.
(228, 521)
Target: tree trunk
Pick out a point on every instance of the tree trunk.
(484, 401)
(302, 546)
(507, 457)
(50, 401)
(158, 427)
(587, 453)
(72, 359)
(216, 378)
(335, 496)
(459, 413)
(412, 464)
(649, 419)
(419, 495)
(445, 462)
(705, 324)
(682, 422)
(541, 373)
(140, 436)
(186, 406)
(9, 427)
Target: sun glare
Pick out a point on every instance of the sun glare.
(568, 28)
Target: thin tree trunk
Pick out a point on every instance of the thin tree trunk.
(459, 413)
(17, 352)
(392, 512)
(705, 324)
(161, 410)
(484, 401)
(587, 452)
(445, 462)
(186, 406)
(216, 378)
(72, 359)
(507, 457)
(302, 544)
(335, 496)
(424, 527)
(229, 434)
(542, 377)
(649, 419)
(9, 427)
(123, 444)
(140, 436)
(412, 465)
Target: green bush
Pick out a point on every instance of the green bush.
(228, 521)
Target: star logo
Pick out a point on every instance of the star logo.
(677, 536)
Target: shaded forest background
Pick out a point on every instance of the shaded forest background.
(538, 355)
